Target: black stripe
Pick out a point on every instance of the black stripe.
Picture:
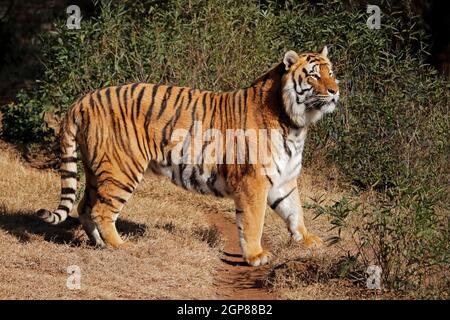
(295, 82)
(194, 109)
(104, 158)
(181, 168)
(65, 174)
(193, 179)
(245, 108)
(64, 208)
(279, 200)
(133, 87)
(239, 114)
(93, 106)
(68, 191)
(210, 183)
(145, 154)
(220, 112)
(260, 93)
(286, 148)
(213, 112)
(124, 167)
(125, 102)
(99, 174)
(68, 159)
(171, 124)
(148, 116)
(178, 111)
(105, 201)
(116, 139)
(120, 185)
(233, 108)
(225, 116)
(121, 200)
(84, 117)
(164, 102)
(136, 105)
(205, 108)
(108, 97)
(122, 108)
(180, 92)
(101, 114)
(139, 100)
(100, 106)
(190, 99)
(154, 148)
(268, 178)
(56, 214)
(152, 104)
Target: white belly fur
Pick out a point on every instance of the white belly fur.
(193, 178)
(285, 166)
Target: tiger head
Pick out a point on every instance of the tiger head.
(309, 87)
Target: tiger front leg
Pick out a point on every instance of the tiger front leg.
(285, 201)
(250, 213)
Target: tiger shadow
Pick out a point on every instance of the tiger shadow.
(24, 225)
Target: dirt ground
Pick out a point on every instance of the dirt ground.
(181, 246)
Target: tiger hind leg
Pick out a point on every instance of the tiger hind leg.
(104, 219)
(85, 205)
(250, 213)
(84, 215)
(110, 201)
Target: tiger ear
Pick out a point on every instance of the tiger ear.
(324, 52)
(290, 58)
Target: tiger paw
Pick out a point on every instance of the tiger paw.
(312, 240)
(120, 244)
(259, 259)
(127, 244)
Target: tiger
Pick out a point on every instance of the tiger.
(125, 131)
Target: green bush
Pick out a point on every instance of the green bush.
(407, 239)
(390, 134)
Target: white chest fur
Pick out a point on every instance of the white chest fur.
(287, 156)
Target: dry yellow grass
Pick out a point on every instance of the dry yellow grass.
(161, 263)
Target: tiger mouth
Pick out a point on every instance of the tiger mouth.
(317, 103)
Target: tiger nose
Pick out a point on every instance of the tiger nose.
(332, 91)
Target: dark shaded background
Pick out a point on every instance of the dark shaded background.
(22, 21)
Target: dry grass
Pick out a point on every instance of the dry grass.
(161, 263)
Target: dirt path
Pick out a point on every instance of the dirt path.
(236, 280)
